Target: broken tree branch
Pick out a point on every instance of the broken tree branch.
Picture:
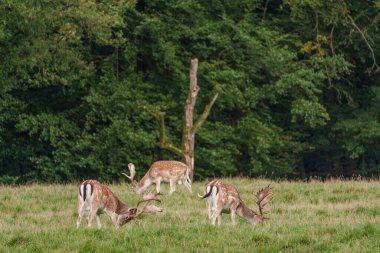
(364, 37)
(204, 115)
(191, 99)
(331, 40)
(163, 143)
(154, 115)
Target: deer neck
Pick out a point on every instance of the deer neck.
(121, 208)
(144, 183)
(248, 214)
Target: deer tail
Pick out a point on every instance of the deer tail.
(208, 191)
(85, 190)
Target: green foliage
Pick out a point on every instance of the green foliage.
(8, 180)
(297, 95)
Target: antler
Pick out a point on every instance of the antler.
(132, 171)
(263, 197)
(134, 212)
(152, 209)
(147, 198)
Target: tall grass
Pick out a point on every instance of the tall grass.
(333, 216)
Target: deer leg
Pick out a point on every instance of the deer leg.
(219, 219)
(91, 216)
(233, 216)
(186, 184)
(216, 214)
(213, 204)
(98, 221)
(81, 211)
(209, 208)
(158, 186)
(114, 217)
(173, 184)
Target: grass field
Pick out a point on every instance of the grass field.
(333, 216)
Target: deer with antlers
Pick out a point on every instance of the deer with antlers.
(97, 198)
(220, 195)
(173, 172)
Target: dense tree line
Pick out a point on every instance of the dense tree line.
(298, 84)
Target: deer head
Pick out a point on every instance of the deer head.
(263, 197)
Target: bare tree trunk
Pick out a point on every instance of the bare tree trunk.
(189, 128)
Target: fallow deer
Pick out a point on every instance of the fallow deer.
(220, 195)
(97, 198)
(161, 171)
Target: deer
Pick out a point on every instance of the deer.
(96, 198)
(219, 195)
(173, 172)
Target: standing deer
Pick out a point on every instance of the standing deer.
(220, 195)
(161, 171)
(97, 198)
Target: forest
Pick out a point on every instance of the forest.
(298, 85)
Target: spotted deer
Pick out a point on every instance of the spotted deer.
(220, 195)
(173, 172)
(97, 198)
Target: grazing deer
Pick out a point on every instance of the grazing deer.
(97, 198)
(220, 195)
(161, 171)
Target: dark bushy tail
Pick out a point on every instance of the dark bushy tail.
(209, 190)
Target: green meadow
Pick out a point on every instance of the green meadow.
(331, 216)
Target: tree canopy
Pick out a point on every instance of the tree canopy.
(298, 84)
